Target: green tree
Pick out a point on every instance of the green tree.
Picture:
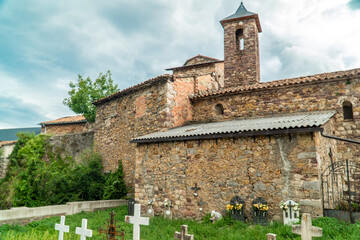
(84, 92)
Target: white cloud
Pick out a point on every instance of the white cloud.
(48, 43)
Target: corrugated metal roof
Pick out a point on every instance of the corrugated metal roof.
(293, 121)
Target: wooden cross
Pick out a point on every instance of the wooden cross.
(306, 230)
(61, 228)
(111, 232)
(83, 232)
(196, 188)
(137, 220)
(183, 235)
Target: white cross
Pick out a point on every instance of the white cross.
(306, 230)
(137, 220)
(61, 228)
(83, 232)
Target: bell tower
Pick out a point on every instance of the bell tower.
(241, 48)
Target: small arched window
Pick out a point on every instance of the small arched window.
(240, 39)
(219, 109)
(348, 110)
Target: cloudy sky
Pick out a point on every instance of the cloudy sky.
(45, 44)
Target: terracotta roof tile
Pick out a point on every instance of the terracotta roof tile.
(3, 143)
(133, 88)
(66, 120)
(284, 82)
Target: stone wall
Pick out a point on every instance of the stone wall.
(276, 168)
(25, 215)
(5, 151)
(128, 116)
(242, 67)
(319, 96)
(155, 107)
(72, 144)
(61, 129)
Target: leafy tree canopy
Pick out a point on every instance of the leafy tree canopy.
(85, 91)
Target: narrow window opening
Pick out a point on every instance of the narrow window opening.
(348, 110)
(240, 43)
(219, 109)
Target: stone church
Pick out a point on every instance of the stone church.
(213, 124)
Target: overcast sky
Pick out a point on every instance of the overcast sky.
(45, 44)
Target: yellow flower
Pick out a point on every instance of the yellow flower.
(229, 207)
(238, 206)
(264, 207)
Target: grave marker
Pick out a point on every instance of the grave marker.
(150, 211)
(183, 235)
(83, 231)
(61, 227)
(290, 212)
(260, 211)
(137, 220)
(131, 204)
(167, 210)
(237, 208)
(306, 230)
(110, 230)
(196, 188)
(271, 236)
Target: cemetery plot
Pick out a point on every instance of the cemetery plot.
(290, 212)
(163, 229)
(236, 208)
(111, 230)
(260, 209)
(137, 220)
(306, 230)
(183, 235)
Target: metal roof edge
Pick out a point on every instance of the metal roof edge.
(231, 135)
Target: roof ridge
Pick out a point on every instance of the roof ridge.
(134, 87)
(281, 82)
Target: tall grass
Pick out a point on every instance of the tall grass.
(163, 229)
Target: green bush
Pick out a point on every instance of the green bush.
(115, 187)
(36, 180)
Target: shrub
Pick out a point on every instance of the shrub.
(35, 182)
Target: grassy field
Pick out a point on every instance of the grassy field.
(161, 229)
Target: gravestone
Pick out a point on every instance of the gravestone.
(111, 229)
(196, 188)
(183, 235)
(131, 204)
(238, 206)
(167, 211)
(83, 231)
(260, 211)
(150, 211)
(137, 220)
(290, 212)
(271, 236)
(61, 227)
(306, 230)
